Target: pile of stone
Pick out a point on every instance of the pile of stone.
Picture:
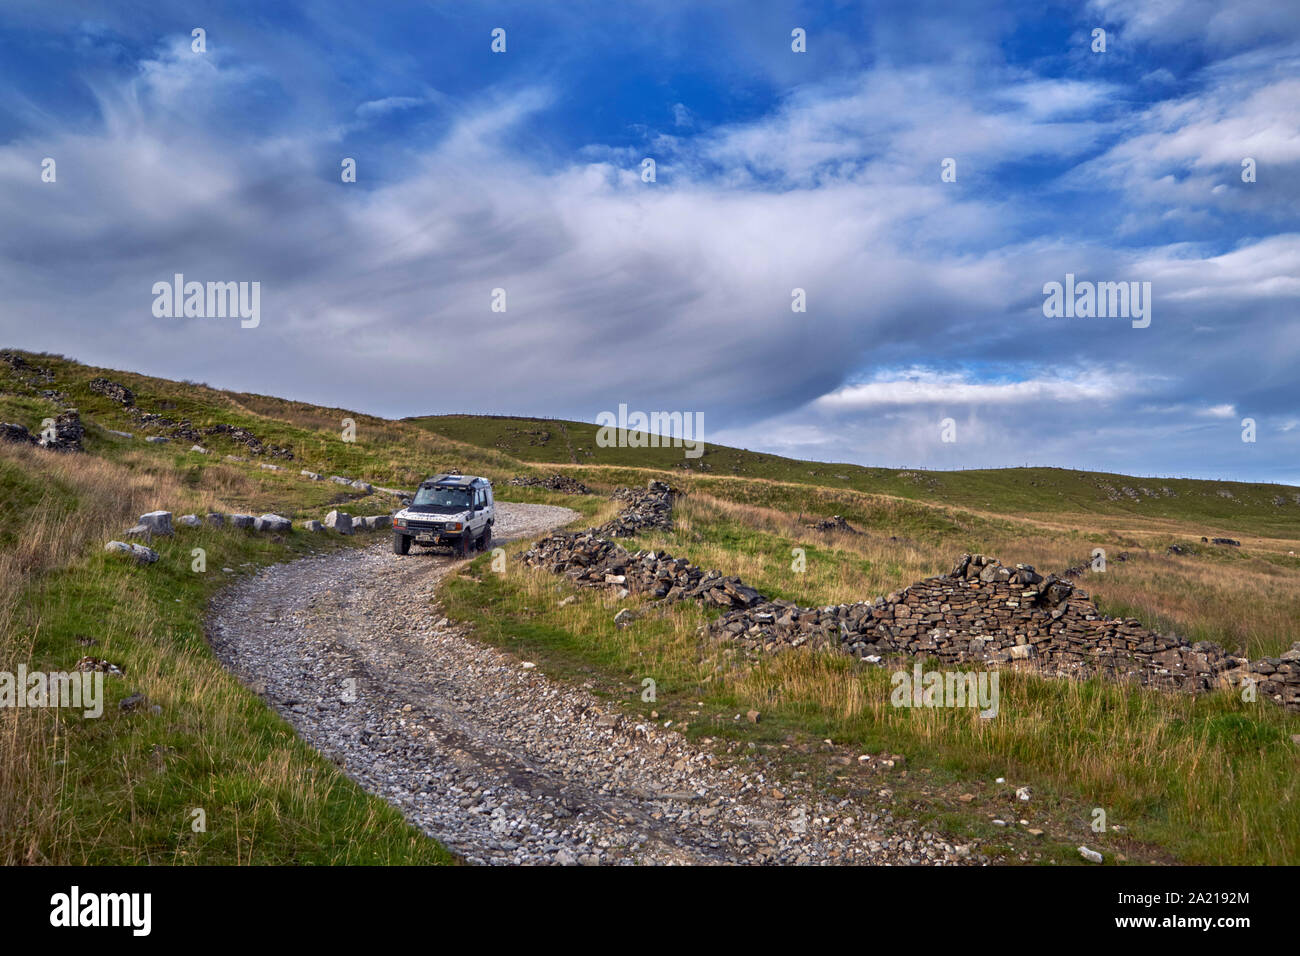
(562, 483)
(177, 429)
(1278, 678)
(358, 483)
(589, 559)
(17, 434)
(117, 392)
(984, 611)
(65, 434)
(592, 561)
(647, 508)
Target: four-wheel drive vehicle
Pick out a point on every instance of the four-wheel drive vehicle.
(455, 510)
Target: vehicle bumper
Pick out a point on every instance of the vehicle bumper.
(429, 536)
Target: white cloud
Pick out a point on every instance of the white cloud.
(1218, 24)
(389, 104)
(1218, 411)
(929, 387)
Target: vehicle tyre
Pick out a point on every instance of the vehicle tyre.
(485, 539)
(464, 546)
(401, 543)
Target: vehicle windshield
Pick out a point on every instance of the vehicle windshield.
(458, 498)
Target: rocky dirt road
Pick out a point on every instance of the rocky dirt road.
(500, 763)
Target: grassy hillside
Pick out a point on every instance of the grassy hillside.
(1206, 780)
(1221, 506)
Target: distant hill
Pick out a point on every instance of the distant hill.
(1257, 507)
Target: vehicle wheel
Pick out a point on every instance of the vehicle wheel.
(485, 539)
(464, 546)
(401, 544)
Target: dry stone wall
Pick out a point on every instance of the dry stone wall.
(563, 483)
(980, 612)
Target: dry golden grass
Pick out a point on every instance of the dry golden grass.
(85, 499)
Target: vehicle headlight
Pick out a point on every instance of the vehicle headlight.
(454, 526)
(400, 522)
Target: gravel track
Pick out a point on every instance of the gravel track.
(500, 763)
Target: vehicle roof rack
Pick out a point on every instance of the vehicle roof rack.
(455, 481)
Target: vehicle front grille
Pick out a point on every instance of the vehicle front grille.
(424, 525)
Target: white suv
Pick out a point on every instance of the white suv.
(455, 510)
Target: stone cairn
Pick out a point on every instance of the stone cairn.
(647, 508)
(982, 611)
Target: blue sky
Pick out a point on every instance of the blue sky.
(775, 170)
